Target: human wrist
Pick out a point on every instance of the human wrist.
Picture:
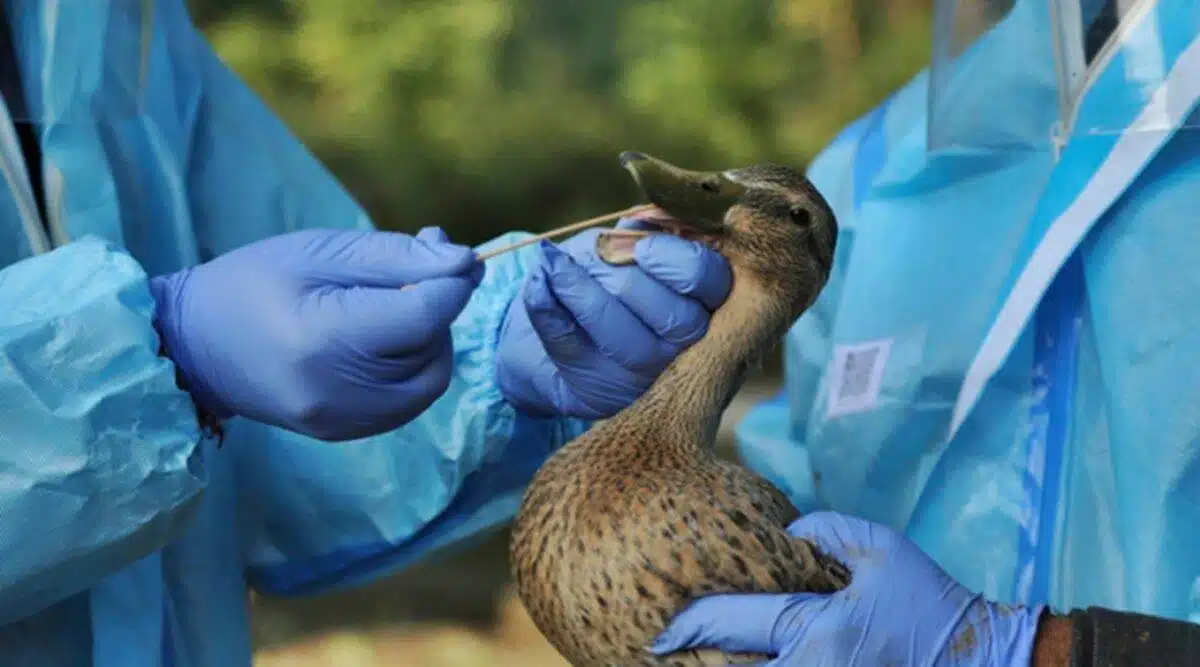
(1052, 644)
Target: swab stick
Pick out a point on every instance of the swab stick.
(567, 229)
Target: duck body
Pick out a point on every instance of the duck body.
(618, 551)
(626, 525)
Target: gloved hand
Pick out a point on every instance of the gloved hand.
(585, 338)
(311, 331)
(899, 609)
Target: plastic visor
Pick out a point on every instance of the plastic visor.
(74, 61)
(1020, 73)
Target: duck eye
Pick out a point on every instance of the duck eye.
(710, 186)
(801, 216)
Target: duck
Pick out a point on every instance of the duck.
(623, 527)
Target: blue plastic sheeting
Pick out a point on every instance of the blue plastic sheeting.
(998, 364)
(1057, 345)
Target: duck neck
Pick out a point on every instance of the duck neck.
(694, 391)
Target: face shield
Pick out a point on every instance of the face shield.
(1016, 74)
(76, 61)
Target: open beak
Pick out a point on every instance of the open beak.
(694, 202)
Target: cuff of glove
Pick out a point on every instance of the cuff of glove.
(211, 424)
(161, 289)
(1107, 637)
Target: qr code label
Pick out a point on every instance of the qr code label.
(856, 376)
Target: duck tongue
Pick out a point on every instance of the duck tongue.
(658, 217)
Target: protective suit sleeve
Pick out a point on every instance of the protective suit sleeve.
(99, 449)
(314, 515)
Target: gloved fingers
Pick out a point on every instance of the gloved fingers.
(676, 320)
(398, 368)
(411, 388)
(606, 386)
(387, 259)
(571, 404)
(849, 539)
(436, 235)
(615, 331)
(428, 308)
(537, 335)
(433, 235)
(443, 298)
(688, 267)
(415, 394)
(731, 623)
(396, 323)
(553, 324)
(571, 377)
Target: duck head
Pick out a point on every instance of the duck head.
(768, 220)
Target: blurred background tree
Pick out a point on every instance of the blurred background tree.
(483, 116)
(487, 115)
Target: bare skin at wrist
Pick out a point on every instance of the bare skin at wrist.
(1052, 647)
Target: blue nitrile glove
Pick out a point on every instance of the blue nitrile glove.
(585, 338)
(899, 609)
(311, 331)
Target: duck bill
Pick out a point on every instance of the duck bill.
(694, 201)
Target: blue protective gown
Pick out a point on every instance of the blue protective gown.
(1004, 363)
(126, 538)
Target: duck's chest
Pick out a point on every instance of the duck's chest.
(615, 536)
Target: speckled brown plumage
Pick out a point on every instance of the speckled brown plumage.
(628, 523)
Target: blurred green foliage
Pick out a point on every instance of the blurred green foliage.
(488, 115)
